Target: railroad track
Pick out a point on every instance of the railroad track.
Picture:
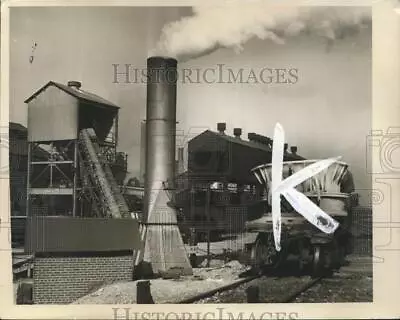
(220, 289)
(297, 292)
(290, 297)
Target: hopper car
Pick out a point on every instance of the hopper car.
(313, 250)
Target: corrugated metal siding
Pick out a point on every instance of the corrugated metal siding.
(243, 159)
(68, 234)
(208, 155)
(18, 232)
(52, 115)
(236, 217)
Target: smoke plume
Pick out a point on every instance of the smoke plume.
(232, 25)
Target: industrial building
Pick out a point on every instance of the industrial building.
(220, 164)
(67, 181)
(67, 185)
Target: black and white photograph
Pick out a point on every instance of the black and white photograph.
(215, 154)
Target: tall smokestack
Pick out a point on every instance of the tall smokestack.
(160, 125)
(164, 249)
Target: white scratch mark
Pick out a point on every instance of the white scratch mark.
(299, 201)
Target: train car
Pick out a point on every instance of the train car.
(301, 241)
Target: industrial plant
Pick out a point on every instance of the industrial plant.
(77, 226)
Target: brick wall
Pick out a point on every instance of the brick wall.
(63, 279)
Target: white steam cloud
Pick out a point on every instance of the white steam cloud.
(232, 25)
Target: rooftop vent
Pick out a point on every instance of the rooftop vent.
(74, 84)
(237, 132)
(251, 136)
(221, 127)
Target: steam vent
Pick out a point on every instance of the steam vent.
(160, 171)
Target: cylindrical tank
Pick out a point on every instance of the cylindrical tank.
(142, 150)
(160, 127)
(181, 161)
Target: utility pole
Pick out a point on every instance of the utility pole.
(208, 215)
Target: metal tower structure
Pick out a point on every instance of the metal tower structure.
(80, 132)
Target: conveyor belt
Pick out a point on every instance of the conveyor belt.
(99, 179)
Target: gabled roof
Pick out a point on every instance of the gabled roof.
(77, 93)
(251, 144)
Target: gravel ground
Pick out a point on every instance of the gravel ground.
(168, 291)
(271, 290)
(348, 288)
(352, 284)
(341, 288)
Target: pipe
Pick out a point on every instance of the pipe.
(142, 151)
(160, 126)
(181, 164)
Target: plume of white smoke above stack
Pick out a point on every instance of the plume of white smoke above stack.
(231, 25)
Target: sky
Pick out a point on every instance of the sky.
(327, 112)
(83, 44)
